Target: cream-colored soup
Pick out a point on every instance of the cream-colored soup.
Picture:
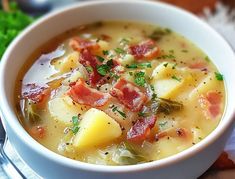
(119, 93)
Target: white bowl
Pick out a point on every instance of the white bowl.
(188, 164)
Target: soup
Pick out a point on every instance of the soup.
(119, 93)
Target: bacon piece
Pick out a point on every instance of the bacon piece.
(211, 103)
(141, 129)
(80, 44)
(129, 95)
(199, 66)
(147, 49)
(35, 93)
(89, 60)
(106, 37)
(38, 131)
(82, 94)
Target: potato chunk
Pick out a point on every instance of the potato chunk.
(167, 88)
(96, 128)
(63, 109)
(67, 63)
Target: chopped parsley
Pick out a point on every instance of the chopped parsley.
(165, 64)
(140, 78)
(132, 66)
(176, 78)
(171, 51)
(173, 67)
(124, 41)
(184, 51)
(105, 68)
(113, 75)
(101, 59)
(158, 33)
(141, 114)
(207, 59)
(75, 128)
(154, 95)
(119, 51)
(140, 65)
(89, 69)
(219, 76)
(120, 112)
(105, 52)
(147, 65)
(170, 56)
(162, 124)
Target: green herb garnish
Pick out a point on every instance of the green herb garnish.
(119, 51)
(89, 69)
(141, 114)
(120, 112)
(159, 33)
(105, 52)
(207, 59)
(101, 59)
(165, 64)
(176, 78)
(140, 78)
(184, 51)
(219, 76)
(105, 68)
(162, 124)
(75, 128)
(174, 66)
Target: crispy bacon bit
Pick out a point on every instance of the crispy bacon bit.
(106, 37)
(82, 94)
(129, 95)
(141, 129)
(211, 103)
(38, 131)
(35, 93)
(80, 44)
(198, 65)
(147, 49)
(223, 163)
(90, 61)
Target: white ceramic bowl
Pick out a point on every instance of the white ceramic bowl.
(187, 164)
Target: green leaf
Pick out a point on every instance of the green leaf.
(119, 51)
(75, 128)
(219, 76)
(140, 78)
(101, 59)
(176, 78)
(115, 109)
(105, 52)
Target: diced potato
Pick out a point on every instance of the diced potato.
(206, 85)
(103, 45)
(128, 59)
(67, 63)
(96, 128)
(170, 146)
(73, 78)
(164, 70)
(197, 134)
(63, 109)
(167, 88)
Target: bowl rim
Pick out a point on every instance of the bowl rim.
(48, 154)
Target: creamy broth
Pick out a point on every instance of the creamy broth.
(119, 93)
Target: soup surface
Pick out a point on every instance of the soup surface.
(119, 93)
